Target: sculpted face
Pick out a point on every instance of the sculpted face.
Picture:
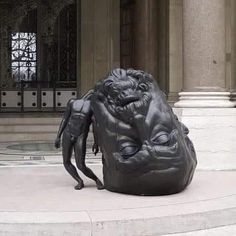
(123, 93)
(145, 148)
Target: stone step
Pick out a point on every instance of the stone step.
(29, 128)
(9, 137)
(33, 136)
(20, 128)
(41, 200)
(30, 120)
(217, 231)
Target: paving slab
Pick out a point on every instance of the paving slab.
(229, 230)
(41, 200)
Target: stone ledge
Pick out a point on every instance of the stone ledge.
(204, 100)
(42, 201)
(212, 131)
(125, 223)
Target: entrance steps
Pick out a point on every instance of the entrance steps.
(31, 127)
(28, 127)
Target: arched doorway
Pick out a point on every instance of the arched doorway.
(38, 55)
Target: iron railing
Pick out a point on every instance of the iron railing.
(39, 86)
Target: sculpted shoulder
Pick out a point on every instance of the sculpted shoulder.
(81, 105)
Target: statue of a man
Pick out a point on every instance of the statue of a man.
(75, 127)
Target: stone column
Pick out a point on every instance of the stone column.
(78, 47)
(162, 44)
(204, 49)
(100, 29)
(175, 50)
(231, 47)
(6, 81)
(145, 36)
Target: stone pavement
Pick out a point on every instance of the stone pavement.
(36, 153)
(40, 200)
(218, 231)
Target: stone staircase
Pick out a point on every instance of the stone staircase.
(29, 127)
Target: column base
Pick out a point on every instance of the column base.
(233, 98)
(173, 97)
(204, 99)
(212, 131)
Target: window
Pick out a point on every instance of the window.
(23, 57)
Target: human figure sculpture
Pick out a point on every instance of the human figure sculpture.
(146, 150)
(75, 127)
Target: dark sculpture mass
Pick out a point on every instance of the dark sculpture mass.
(75, 127)
(145, 149)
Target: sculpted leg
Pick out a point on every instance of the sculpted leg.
(67, 154)
(80, 151)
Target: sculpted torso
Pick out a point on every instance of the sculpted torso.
(80, 118)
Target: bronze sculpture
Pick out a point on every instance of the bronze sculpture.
(146, 150)
(75, 127)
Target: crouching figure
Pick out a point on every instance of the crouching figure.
(75, 128)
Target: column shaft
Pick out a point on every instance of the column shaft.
(204, 49)
(99, 45)
(145, 36)
(175, 49)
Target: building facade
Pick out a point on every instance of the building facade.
(68, 45)
(51, 51)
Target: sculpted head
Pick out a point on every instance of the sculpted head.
(124, 91)
(145, 148)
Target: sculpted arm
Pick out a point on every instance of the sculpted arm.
(95, 147)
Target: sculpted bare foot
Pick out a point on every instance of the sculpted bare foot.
(79, 186)
(99, 184)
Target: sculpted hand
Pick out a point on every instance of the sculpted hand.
(95, 149)
(57, 143)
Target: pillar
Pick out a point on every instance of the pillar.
(204, 60)
(145, 36)
(78, 46)
(175, 49)
(6, 81)
(100, 50)
(231, 47)
(162, 45)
